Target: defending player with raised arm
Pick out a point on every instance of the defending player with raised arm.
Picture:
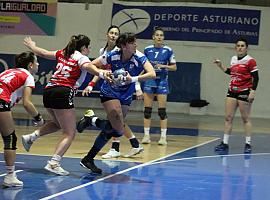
(72, 66)
(241, 93)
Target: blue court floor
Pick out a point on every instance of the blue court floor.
(195, 173)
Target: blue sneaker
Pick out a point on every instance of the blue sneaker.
(222, 147)
(247, 148)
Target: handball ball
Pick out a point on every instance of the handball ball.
(119, 76)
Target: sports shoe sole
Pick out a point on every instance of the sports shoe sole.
(89, 169)
(25, 145)
(128, 156)
(61, 174)
(12, 185)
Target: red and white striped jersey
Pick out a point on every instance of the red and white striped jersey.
(241, 78)
(12, 83)
(68, 71)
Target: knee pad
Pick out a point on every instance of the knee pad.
(10, 141)
(147, 112)
(162, 113)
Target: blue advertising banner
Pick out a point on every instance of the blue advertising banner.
(185, 23)
(184, 83)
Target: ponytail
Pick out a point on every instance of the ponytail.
(76, 43)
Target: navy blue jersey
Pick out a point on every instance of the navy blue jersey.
(134, 66)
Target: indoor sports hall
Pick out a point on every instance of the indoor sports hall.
(202, 35)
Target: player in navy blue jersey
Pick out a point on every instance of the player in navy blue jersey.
(127, 63)
(113, 33)
(162, 58)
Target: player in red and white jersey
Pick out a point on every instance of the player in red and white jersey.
(241, 73)
(241, 93)
(72, 66)
(16, 84)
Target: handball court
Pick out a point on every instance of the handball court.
(187, 168)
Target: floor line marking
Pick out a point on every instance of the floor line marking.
(212, 156)
(17, 171)
(2, 161)
(121, 172)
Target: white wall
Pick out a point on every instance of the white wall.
(75, 19)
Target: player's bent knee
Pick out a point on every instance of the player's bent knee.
(10, 141)
(116, 133)
(162, 113)
(147, 112)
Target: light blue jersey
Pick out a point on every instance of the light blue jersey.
(159, 55)
(134, 67)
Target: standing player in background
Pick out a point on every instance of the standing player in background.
(72, 66)
(126, 64)
(112, 35)
(16, 84)
(241, 93)
(162, 58)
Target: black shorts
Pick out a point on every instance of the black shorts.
(104, 99)
(242, 96)
(4, 106)
(58, 97)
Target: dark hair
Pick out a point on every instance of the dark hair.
(22, 60)
(242, 40)
(125, 38)
(76, 43)
(157, 29)
(111, 27)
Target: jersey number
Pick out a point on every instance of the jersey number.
(156, 54)
(62, 70)
(6, 78)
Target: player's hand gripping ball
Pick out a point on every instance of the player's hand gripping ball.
(119, 77)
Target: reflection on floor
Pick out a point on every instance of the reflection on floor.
(187, 168)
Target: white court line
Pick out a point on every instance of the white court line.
(121, 172)
(15, 172)
(1, 161)
(213, 156)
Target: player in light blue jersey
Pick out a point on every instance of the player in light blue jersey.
(162, 58)
(126, 65)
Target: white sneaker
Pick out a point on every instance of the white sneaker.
(26, 141)
(111, 154)
(162, 141)
(56, 168)
(146, 139)
(12, 181)
(134, 151)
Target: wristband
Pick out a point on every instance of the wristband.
(137, 86)
(92, 84)
(37, 117)
(101, 75)
(134, 79)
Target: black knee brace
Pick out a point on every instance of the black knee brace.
(147, 112)
(10, 141)
(162, 113)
